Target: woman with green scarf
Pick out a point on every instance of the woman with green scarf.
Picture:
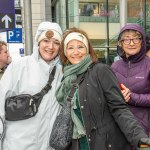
(100, 116)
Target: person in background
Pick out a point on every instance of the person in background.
(101, 118)
(133, 73)
(5, 58)
(29, 75)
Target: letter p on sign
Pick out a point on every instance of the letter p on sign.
(10, 34)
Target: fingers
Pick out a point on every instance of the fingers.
(127, 97)
(126, 93)
(144, 141)
(123, 86)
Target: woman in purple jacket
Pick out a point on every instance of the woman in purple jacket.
(133, 72)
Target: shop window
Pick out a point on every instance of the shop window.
(98, 9)
(88, 9)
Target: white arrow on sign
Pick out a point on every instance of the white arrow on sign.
(6, 19)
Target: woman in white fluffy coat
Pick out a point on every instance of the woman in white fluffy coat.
(29, 75)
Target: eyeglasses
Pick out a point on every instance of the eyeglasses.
(134, 40)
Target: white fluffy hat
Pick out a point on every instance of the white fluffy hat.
(46, 26)
(76, 36)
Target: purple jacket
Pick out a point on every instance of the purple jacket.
(134, 73)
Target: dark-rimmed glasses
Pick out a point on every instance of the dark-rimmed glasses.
(134, 40)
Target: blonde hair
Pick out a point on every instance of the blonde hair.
(135, 33)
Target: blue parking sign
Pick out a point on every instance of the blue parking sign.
(14, 36)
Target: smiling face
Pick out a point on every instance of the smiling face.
(49, 49)
(75, 51)
(131, 42)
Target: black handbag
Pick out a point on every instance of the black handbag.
(62, 130)
(25, 106)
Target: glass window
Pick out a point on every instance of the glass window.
(88, 9)
(94, 22)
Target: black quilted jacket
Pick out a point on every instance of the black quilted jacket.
(108, 121)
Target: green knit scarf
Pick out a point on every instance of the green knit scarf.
(70, 74)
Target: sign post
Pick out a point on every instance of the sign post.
(7, 14)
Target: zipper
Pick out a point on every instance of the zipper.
(77, 144)
(149, 123)
(129, 65)
(83, 120)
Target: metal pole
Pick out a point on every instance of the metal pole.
(123, 13)
(48, 10)
(67, 15)
(145, 15)
(107, 25)
(28, 27)
(76, 13)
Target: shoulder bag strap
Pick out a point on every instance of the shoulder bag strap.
(39, 96)
(75, 85)
(48, 85)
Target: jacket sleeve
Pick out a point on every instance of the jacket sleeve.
(2, 129)
(118, 108)
(5, 87)
(2, 118)
(142, 100)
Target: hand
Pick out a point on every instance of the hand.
(144, 142)
(126, 93)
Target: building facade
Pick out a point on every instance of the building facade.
(101, 19)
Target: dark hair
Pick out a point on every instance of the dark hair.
(63, 58)
(147, 43)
